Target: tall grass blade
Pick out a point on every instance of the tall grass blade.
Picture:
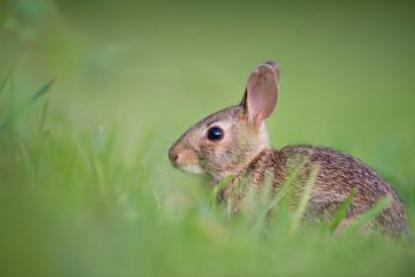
(36, 96)
(5, 80)
(370, 215)
(42, 91)
(285, 188)
(263, 203)
(308, 188)
(342, 211)
(213, 198)
(43, 117)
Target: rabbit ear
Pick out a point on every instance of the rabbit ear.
(261, 92)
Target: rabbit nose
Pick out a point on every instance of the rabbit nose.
(173, 156)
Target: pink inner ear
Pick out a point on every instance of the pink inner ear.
(262, 93)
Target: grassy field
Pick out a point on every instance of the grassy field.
(93, 93)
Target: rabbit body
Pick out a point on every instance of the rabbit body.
(338, 175)
(234, 142)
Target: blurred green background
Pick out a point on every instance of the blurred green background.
(85, 184)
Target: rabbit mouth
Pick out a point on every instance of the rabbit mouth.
(191, 168)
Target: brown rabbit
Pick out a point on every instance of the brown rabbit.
(234, 142)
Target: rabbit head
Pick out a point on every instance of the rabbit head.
(225, 142)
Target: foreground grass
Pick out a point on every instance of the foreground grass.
(71, 205)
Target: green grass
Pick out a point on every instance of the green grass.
(86, 188)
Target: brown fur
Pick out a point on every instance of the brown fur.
(244, 152)
(338, 175)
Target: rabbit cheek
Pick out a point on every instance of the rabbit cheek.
(216, 158)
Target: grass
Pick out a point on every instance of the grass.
(85, 184)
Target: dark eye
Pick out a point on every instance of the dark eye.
(215, 133)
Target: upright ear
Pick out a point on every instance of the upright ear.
(261, 92)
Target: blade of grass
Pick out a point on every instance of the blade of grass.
(25, 159)
(286, 186)
(264, 199)
(43, 116)
(213, 199)
(5, 80)
(42, 91)
(342, 211)
(36, 96)
(308, 188)
(370, 215)
(270, 204)
(98, 171)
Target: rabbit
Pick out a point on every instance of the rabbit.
(234, 142)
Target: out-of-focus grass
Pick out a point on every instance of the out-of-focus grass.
(85, 184)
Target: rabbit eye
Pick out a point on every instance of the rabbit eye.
(215, 133)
